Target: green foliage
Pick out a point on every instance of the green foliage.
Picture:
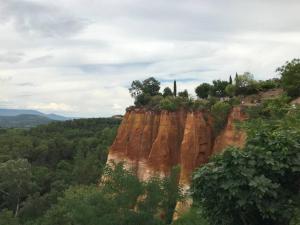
(120, 199)
(265, 85)
(203, 90)
(15, 183)
(167, 92)
(183, 94)
(218, 88)
(245, 84)
(194, 216)
(142, 91)
(175, 88)
(7, 218)
(169, 103)
(230, 90)
(142, 99)
(220, 111)
(272, 108)
(290, 77)
(136, 88)
(151, 86)
(259, 185)
(38, 165)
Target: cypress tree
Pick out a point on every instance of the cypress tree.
(230, 79)
(175, 89)
(236, 77)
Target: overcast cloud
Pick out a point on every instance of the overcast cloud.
(78, 57)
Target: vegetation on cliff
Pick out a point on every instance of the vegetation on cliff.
(260, 184)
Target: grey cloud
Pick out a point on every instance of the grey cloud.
(46, 20)
(89, 68)
(41, 59)
(11, 57)
(30, 84)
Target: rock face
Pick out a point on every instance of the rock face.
(151, 143)
(231, 135)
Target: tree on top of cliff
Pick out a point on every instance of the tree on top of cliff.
(218, 88)
(290, 77)
(150, 86)
(167, 92)
(203, 90)
(183, 94)
(175, 88)
(142, 91)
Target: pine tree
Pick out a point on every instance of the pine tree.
(175, 88)
(230, 79)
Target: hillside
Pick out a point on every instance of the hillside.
(17, 112)
(23, 121)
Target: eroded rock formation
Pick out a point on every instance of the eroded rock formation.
(151, 143)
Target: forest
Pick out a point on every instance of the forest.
(55, 174)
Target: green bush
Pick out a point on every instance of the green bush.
(270, 108)
(259, 185)
(142, 100)
(268, 84)
(194, 216)
(169, 103)
(290, 77)
(220, 111)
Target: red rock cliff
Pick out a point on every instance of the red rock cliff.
(151, 143)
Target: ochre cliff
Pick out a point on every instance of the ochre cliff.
(231, 135)
(151, 143)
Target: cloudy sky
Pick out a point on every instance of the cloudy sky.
(78, 57)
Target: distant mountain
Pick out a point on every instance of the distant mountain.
(23, 121)
(17, 112)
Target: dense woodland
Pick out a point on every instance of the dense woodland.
(49, 175)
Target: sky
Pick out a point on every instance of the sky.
(78, 57)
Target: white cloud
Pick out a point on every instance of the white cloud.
(52, 106)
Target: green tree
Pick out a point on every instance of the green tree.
(136, 88)
(259, 185)
(15, 182)
(218, 88)
(151, 86)
(245, 84)
(230, 79)
(175, 88)
(290, 77)
(203, 90)
(183, 94)
(167, 92)
(7, 218)
(143, 91)
(220, 111)
(230, 90)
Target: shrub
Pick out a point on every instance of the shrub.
(220, 111)
(142, 100)
(200, 104)
(230, 90)
(290, 77)
(267, 84)
(154, 103)
(169, 104)
(259, 185)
